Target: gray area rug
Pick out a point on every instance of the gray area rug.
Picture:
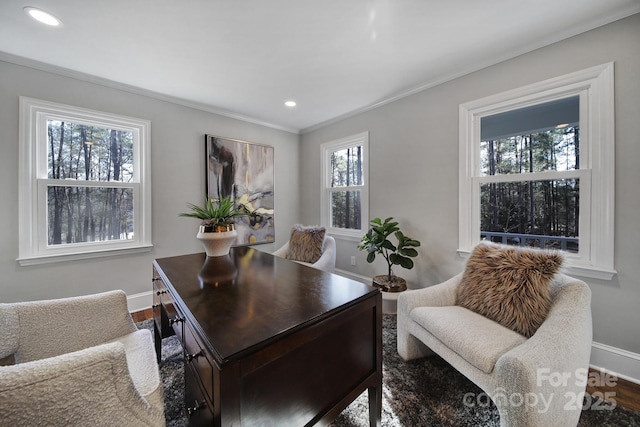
(424, 392)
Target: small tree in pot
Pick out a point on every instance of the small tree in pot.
(376, 241)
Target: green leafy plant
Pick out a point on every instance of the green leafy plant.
(216, 213)
(376, 241)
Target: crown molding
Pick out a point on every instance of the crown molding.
(65, 72)
(538, 44)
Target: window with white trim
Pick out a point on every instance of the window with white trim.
(537, 169)
(84, 183)
(345, 185)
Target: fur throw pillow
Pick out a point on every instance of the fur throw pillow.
(509, 285)
(306, 243)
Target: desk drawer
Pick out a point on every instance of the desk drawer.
(159, 316)
(168, 318)
(195, 356)
(196, 407)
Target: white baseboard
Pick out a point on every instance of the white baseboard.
(615, 361)
(139, 302)
(353, 276)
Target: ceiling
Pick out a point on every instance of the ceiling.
(245, 58)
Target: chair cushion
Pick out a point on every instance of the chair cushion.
(306, 243)
(478, 340)
(141, 360)
(509, 285)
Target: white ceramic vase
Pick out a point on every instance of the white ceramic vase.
(217, 243)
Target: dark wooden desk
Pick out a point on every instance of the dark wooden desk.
(269, 342)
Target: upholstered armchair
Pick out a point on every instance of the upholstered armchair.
(532, 380)
(78, 361)
(310, 246)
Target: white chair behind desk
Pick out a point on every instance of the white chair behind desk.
(297, 248)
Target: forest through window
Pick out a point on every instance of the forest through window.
(537, 169)
(82, 162)
(85, 183)
(346, 172)
(345, 195)
(531, 211)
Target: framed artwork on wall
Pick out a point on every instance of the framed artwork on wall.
(243, 171)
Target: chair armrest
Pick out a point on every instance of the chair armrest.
(443, 294)
(440, 295)
(327, 261)
(53, 327)
(560, 347)
(87, 387)
(282, 252)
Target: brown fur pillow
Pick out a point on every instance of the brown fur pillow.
(306, 243)
(509, 285)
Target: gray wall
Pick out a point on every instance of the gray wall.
(177, 146)
(414, 167)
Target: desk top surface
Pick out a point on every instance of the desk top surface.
(242, 301)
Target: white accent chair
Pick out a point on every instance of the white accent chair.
(509, 367)
(78, 361)
(327, 261)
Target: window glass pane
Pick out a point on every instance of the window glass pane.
(514, 212)
(551, 150)
(345, 209)
(88, 153)
(89, 214)
(346, 167)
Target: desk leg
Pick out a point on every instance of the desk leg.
(158, 342)
(375, 406)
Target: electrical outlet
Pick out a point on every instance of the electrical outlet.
(353, 260)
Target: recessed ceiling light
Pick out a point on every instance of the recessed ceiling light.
(290, 103)
(42, 16)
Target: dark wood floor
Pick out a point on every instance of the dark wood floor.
(625, 393)
(139, 316)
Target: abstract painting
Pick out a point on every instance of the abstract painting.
(244, 171)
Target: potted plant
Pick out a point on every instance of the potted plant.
(217, 229)
(376, 241)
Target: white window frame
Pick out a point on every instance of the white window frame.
(33, 180)
(326, 149)
(595, 86)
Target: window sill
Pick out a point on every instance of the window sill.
(52, 258)
(351, 237)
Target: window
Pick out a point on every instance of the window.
(537, 169)
(345, 186)
(84, 183)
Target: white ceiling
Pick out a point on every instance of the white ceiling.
(244, 58)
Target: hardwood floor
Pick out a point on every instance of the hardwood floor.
(139, 316)
(625, 393)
